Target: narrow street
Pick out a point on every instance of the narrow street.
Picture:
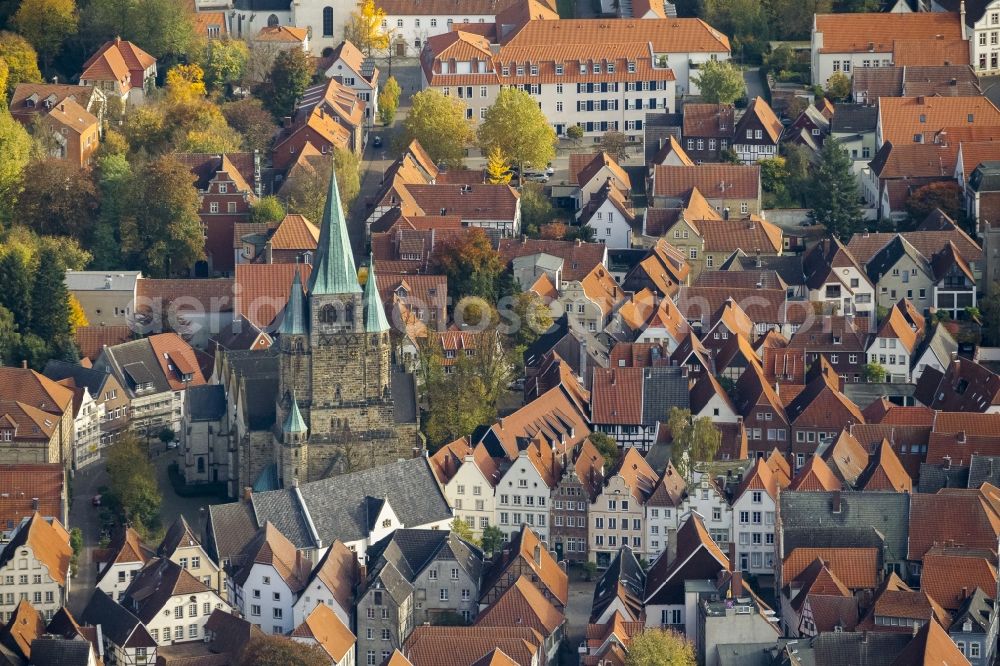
(86, 516)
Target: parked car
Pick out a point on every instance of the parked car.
(549, 169)
(536, 177)
(171, 445)
(377, 141)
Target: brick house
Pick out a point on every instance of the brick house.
(818, 413)
(580, 483)
(708, 131)
(228, 185)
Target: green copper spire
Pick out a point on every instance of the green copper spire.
(333, 268)
(294, 423)
(375, 321)
(294, 321)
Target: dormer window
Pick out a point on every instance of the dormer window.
(520, 70)
(534, 70)
(611, 68)
(559, 69)
(597, 68)
(6, 435)
(631, 67)
(583, 68)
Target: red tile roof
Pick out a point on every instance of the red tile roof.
(22, 483)
(876, 33)
(931, 646)
(949, 575)
(856, 568)
(712, 180)
(326, 628)
(262, 290)
(522, 604)
(958, 516)
(815, 475)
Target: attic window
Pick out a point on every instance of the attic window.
(969, 118)
(923, 118)
(961, 386)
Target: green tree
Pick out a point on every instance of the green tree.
(289, 78)
(252, 121)
(50, 306)
(388, 100)
(746, 21)
(492, 540)
(267, 209)
(281, 651)
(608, 448)
(76, 543)
(439, 124)
(720, 82)
(15, 146)
(693, 441)
(497, 168)
(773, 177)
(873, 373)
(364, 28)
(615, 144)
(114, 180)
(133, 492)
(10, 338)
(21, 59)
(305, 194)
(798, 164)
(161, 27)
(834, 192)
(536, 209)
(462, 530)
(946, 195)
(165, 234)
(660, 647)
(516, 126)
(472, 266)
(58, 199)
(224, 62)
(46, 24)
(574, 133)
(838, 86)
(533, 318)
(16, 275)
(793, 19)
(989, 306)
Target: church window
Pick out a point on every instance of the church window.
(328, 21)
(272, 21)
(328, 314)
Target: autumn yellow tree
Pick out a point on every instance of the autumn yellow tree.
(364, 28)
(185, 83)
(497, 169)
(77, 317)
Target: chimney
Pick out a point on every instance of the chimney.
(947, 462)
(961, 20)
(835, 501)
(737, 585)
(965, 593)
(247, 493)
(286, 121)
(538, 555)
(24, 364)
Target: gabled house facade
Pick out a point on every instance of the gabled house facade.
(618, 514)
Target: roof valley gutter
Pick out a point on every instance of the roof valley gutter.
(305, 514)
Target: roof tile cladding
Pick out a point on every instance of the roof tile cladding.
(857, 568)
(902, 118)
(731, 181)
(867, 32)
(262, 290)
(22, 484)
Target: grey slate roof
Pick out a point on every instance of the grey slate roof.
(887, 257)
(978, 608)
(52, 651)
(986, 177)
(206, 403)
(853, 118)
(935, 477)
(93, 380)
(663, 388)
(135, 362)
(282, 509)
(941, 344)
(870, 648)
(787, 266)
(886, 513)
(338, 504)
(411, 550)
(984, 469)
(119, 625)
(230, 527)
(403, 388)
(624, 569)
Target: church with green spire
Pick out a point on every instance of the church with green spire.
(340, 406)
